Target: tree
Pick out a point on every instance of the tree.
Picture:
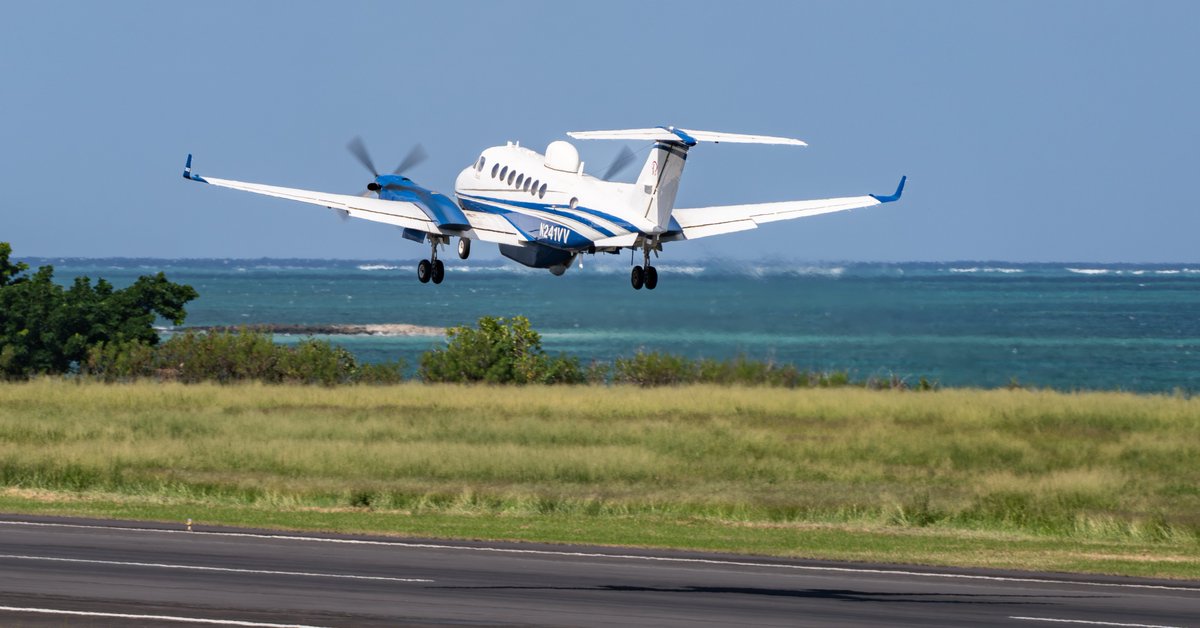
(9, 271)
(46, 328)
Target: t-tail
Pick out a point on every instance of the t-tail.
(658, 182)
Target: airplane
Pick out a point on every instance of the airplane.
(544, 211)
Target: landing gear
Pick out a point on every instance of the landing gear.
(433, 268)
(645, 275)
(464, 248)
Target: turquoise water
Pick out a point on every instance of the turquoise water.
(1067, 326)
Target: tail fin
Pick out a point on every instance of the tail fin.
(659, 182)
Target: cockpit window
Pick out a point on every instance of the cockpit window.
(481, 162)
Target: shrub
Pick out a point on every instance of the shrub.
(117, 361)
(233, 356)
(497, 352)
(654, 369)
(222, 356)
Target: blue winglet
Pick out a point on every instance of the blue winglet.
(187, 171)
(893, 197)
(687, 140)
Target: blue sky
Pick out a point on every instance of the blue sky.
(1030, 131)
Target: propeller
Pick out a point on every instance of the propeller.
(358, 148)
(619, 163)
(415, 156)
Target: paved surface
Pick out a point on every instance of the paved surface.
(131, 574)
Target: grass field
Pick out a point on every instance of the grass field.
(1099, 482)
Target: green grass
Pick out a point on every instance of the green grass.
(1098, 482)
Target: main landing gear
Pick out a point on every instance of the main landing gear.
(647, 276)
(432, 268)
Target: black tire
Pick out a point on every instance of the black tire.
(636, 278)
(464, 248)
(651, 277)
(424, 269)
(439, 271)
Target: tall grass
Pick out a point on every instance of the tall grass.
(1088, 465)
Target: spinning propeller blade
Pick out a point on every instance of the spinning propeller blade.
(415, 156)
(359, 150)
(622, 161)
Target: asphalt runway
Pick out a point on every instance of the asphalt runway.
(81, 572)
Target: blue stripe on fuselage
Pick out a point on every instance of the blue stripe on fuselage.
(535, 228)
(551, 209)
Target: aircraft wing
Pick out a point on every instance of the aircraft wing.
(701, 222)
(399, 213)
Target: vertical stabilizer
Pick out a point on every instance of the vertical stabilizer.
(659, 182)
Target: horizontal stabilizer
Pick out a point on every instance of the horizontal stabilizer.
(684, 136)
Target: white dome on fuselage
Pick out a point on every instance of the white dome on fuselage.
(562, 156)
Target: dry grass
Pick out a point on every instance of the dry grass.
(1087, 466)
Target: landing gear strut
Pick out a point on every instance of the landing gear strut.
(432, 268)
(645, 275)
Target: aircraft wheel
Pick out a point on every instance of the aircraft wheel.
(439, 271)
(651, 277)
(464, 248)
(424, 269)
(636, 278)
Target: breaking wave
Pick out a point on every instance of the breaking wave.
(988, 269)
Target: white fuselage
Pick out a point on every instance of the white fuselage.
(550, 200)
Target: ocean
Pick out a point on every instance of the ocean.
(984, 324)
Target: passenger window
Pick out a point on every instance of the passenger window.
(520, 178)
(495, 167)
(529, 182)
(503, 172)
(512, 175)
(574, 203)
(542, 191)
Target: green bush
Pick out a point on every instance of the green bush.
(498, 352)
(654, 369)
(235, 356)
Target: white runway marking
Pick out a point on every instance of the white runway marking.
(1090, 623)
(665, 559)
(221, 569)
(186, 620)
